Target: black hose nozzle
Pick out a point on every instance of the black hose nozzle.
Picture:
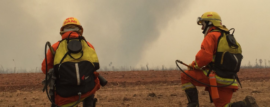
(102, 80)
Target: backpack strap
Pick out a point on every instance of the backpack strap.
(236, 77)
(215, 30)
(211, 101)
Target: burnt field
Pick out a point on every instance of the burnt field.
(132, 89)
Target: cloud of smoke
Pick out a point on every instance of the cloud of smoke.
(119, 30)
(124, 29)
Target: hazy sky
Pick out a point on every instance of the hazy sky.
(129, 32)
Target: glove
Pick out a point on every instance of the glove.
(191, 66)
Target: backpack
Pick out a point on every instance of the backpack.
(228, 56)
(74, 64)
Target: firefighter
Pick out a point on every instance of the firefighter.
(75, 63)
(212, 48)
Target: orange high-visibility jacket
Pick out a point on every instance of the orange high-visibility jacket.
(208, 50)
(50, 60)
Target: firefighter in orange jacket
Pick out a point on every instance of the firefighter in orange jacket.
(72, 29)
(210, 47)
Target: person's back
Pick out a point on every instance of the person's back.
(75, 63)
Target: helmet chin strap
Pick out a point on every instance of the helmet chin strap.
(207, 25)
(206, 30)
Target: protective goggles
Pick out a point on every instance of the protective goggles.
(199, 21)
(71, 29)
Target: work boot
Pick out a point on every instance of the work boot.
(89, 101)
(192, 96)
(249, 101)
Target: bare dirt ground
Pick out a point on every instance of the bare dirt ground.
(132, 89)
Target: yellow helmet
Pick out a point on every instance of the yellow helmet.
(72, 21)
(212, 17)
